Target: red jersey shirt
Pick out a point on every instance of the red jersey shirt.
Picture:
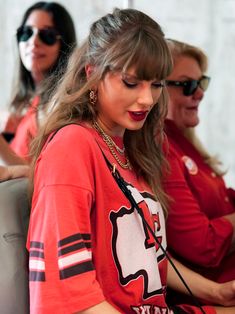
(196, 231)
(86, 242)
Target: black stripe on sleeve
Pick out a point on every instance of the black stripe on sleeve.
(74, 247)
(34, 253)
(73, 238)
(76, 270)
(37, 245)
(37, 276)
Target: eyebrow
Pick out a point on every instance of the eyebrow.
(130, 75)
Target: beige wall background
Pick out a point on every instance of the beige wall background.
(207, 23)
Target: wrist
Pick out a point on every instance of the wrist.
(214, 294)
(8, 173)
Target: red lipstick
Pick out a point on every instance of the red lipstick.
(138, 115)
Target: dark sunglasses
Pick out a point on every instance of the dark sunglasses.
(190, 86)
(48, 36)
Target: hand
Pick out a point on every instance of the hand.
(210, 292)
(225, 293)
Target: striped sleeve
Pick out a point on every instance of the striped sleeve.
(74, 255)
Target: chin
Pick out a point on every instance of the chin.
(135, 127)
(193, 123)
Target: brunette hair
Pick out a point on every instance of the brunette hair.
(24, 88)
(118, 41)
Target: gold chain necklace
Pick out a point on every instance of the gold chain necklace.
(109, 139)
(110, 143)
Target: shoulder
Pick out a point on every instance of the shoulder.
(71, 144)
(71, 153)
(73, 135)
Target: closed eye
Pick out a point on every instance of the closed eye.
(129, 84)
(158, 84)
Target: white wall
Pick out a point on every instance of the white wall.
(207, 23)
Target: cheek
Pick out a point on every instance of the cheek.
(108, 92)
(25, 59)
(22, 49)
(174, 108)
(176, 101)
(53, 54)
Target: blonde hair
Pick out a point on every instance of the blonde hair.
(118, 41)
(179, 49)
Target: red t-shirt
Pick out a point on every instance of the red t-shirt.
(87, 244)
(26, 131)
(196, 231)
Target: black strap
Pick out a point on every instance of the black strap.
(121, 183)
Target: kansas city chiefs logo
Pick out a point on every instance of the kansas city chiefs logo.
(135, 252)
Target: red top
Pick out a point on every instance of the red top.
(26, 131)
(196, 230)
(83, 233)
(87, 244)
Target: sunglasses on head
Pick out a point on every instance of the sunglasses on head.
(48, 36)
(190, 86)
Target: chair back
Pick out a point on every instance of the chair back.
(14, 219)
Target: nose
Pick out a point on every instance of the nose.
(34, 39)
(199, 93)
(145, 97)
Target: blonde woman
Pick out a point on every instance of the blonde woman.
(201, 219)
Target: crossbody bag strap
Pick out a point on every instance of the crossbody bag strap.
(121, 183)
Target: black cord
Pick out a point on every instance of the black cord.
(127, 193)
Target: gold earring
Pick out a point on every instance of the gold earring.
(93, 97)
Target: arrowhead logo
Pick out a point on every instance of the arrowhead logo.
(131, 241)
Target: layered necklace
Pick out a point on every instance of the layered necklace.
(112, 147)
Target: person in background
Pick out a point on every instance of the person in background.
(90, 250)
(45, 37)
(201, 218)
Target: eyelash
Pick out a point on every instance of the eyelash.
(158, 85)
(129, 85)
(133, 85)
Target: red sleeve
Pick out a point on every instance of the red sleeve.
(190, 232)
(62, 274)
(231, 194)
(25, 133)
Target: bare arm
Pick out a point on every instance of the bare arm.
(7, 155)
(102, 308)
(13, 172)
(224, 310)
(202, 288)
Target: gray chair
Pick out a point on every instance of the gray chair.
(14, 218)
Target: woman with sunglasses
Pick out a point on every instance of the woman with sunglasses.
(45, 40)
(201, 219)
